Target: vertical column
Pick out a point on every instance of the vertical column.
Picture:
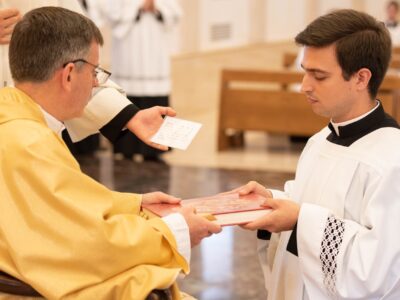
(257, 21)
(188, 28)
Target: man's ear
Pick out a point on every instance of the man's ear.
(66, 76)
(363, 76)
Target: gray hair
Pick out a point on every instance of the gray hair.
(45, 39)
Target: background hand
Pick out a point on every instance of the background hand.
(146, 122)
(159, 197)
(199, 227)
(148, 5)
(284, 216)
(8, 18)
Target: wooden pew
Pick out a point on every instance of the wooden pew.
(395, 62)
(288, 59)
(254, 100)
(396, 50)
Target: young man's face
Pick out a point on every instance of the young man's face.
(328, 93)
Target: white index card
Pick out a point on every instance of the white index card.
(176, 133)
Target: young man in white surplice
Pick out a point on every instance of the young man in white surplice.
(333, 232)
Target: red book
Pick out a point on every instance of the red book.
(226, 209)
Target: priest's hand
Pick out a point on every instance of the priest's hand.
(159, 197)
(252, 187)
(283, 216)
(199, 227)
(145, 123)
(8, 18)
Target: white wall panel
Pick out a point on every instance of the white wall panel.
(242, 22)
(324, 6)
(224, 18)
(376, 8)
(284, 19)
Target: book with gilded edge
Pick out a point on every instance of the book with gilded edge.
(225, 210)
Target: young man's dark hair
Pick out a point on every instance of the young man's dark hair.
(361, 42)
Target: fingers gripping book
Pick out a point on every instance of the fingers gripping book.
(224, 209)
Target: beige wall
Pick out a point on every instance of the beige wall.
(257, 21)
(188, 31)
(375, 8)
(284, 18)
(245, 19)
(252, 21)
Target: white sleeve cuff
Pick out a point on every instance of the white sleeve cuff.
(277, 194)
(106, 102)
(179, 228)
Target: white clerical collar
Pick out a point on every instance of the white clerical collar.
(336, 125)
(52, 122)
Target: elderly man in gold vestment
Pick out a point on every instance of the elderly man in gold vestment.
(63, 233)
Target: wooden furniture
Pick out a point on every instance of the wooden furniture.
(255, 100)
(289, 59)
(13, 286)
(395, 62)
(396, 50)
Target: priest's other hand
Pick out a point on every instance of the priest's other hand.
(283, 216)
(159, 197)
(145, 123)
(8, 18)
(251, 187)
(199, 227)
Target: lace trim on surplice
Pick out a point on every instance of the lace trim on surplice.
(330, 246)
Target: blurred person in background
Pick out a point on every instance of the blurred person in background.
(392, 21)
(140, 55)
(108, 112)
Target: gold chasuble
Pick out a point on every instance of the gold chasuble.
(62, 232)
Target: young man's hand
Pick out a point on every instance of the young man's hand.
(283, 217)
(251, 187)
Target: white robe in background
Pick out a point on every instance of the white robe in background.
(24, 6)
(347, 232)
(140, 48)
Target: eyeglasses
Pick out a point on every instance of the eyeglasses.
(101, 74)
